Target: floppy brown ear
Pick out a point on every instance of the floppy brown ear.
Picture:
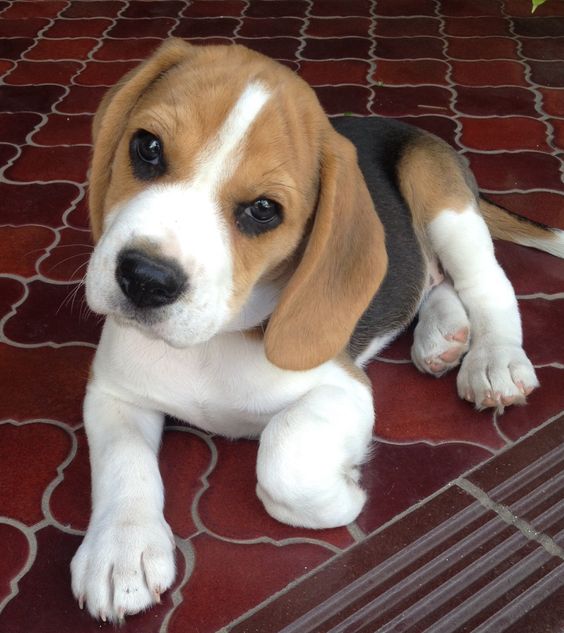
(343, 266)
(111, 118)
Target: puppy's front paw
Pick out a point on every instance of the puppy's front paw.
(496, 376)
(122, 566)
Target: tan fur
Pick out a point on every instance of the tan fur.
(346, 362)
(432, 179)
(342, 267)
(112, 117)
(506, 226)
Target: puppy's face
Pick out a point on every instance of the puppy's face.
(220, 196)
(206, 194)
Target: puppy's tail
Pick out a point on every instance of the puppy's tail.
(508, 226)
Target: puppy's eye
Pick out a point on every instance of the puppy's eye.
(146, 154)
(254, 218)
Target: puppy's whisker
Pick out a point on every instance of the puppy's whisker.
(68, 259)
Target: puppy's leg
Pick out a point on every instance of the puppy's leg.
(495, 372)
(309, 458)
(442, 334)
(127, 557)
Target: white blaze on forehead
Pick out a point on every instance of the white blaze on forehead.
(219, 158)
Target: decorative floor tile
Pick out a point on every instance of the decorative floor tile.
(326, 72)
(14, 552)
(22, 246)
(23, 476)
(490, 73)
(77, 28)
(35, 203)
(482, 48)
(26, 394)
(278, 48)
(42, 72)
(549, 74)
(510, 133)
(143, 9)
(338, 48)
(138, 49)
(25, 10)
(403, 101)
(525, 170)
(56, 314)
(71, 48)
(337, 27)
(276, 8)
(402, 419)
(86, 9)
(21, 28)
(29, 98)
(261, 27)
(471, 8)
(544, 48)
(487, 102)
(81, 99)
(396, 479)
(237, 577)
(464, 515)
(11, 291)
(390, 72)
(476, 27)
(50, 164)
(403, 27)
(407, 47)
(539, 27)
(405, 8)
(218, 27)
(206, 9)
(155, 27)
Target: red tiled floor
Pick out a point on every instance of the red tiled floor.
(71, 48)
(488, 83)
(509, 133)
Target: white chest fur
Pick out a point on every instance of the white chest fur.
(225, 386)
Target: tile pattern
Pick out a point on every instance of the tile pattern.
(482, 74)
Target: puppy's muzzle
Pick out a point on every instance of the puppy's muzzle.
(149, 282)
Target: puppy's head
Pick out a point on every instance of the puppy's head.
(220, 196)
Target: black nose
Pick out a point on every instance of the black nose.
(148, 282)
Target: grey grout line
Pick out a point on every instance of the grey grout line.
(371, 80)
(448, 76)
(552, 296)
(550, 135)
(357, 533)
(485, 447)
(303, 34)
(506, 515)
(30, 535)
(187, 550)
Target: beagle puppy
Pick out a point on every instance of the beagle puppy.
(250, 258)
